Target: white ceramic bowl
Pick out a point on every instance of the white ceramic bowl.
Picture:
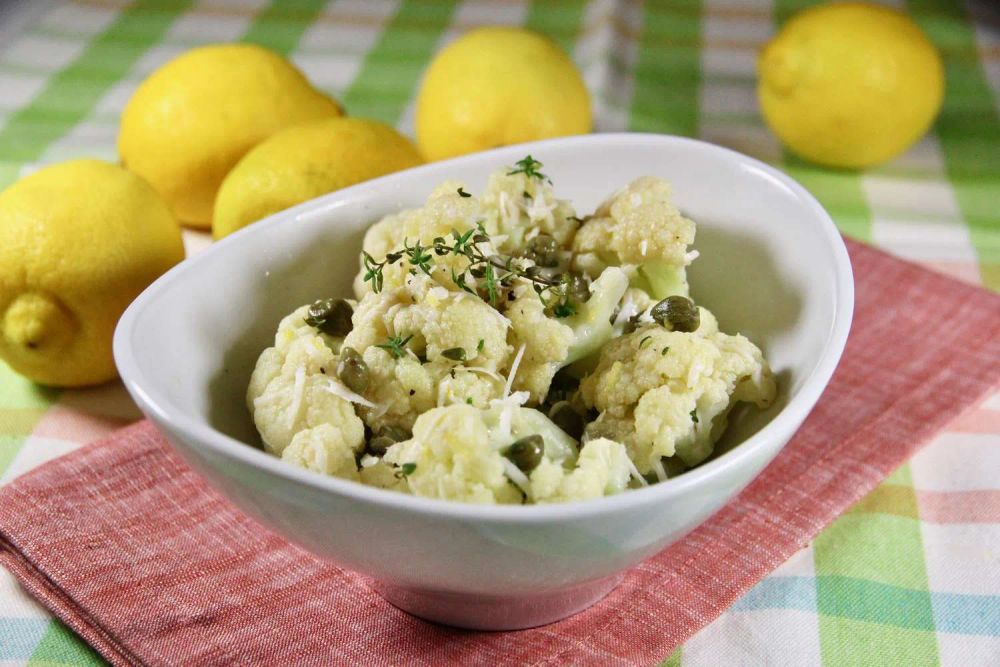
(772, 266)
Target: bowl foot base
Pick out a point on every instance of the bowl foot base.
(489, 612)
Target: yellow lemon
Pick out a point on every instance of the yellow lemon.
(78, 242)
(499, 86)
(196, 116)
(306, 161)
(850, 84)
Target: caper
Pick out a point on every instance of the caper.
(378, 445)
(679, 312)
(543, 250)
(543, 243)
(565, 417)
(331, 316)
(526, 453)
(352, 370)
(579, 288)
(454, 353)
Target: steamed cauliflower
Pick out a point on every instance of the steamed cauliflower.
(665, 393)
(639, 228)
(525, 206)
(602, 469)
(405, 382)
(457, 452)
(503, 351)
(290, 395)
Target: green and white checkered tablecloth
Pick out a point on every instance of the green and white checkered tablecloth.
(909, 576)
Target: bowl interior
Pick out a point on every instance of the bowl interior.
(768, 267)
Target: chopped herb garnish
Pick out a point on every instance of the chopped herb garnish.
(463, 193)
(645, 340)
(419, 257)
(694, 415)
(454, 353)
(564, 309)
(491, 284)
(664, 351)
(373, 271)
(480, 345)
(395, 345)
(528, 166)
(408, 468)
(469, 400)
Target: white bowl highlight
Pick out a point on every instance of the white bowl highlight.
(772, 266)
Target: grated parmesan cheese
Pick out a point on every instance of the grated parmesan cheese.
(627, 310)
(540, 209)
(513, 370)
(298, 393)
(517, 476)
(340, 391)
(635, 471)
(661, 474)
(694, 371)
(691, 256)
(484, 371)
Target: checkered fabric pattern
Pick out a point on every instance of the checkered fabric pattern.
(910, 575)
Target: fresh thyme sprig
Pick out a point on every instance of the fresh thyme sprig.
(529, 166)
(491, 272)
(396, 346)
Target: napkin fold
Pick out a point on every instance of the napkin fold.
(131, 549)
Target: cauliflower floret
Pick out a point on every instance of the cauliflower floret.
(290, 392)
(602, 469)
(293, 326)
(546, 342)
(445, 211)
(457, 453)
(324, 449)
(380, 474)
(466, 384)
(400, 389)
(451, 458)
(524, 207)
(443, 320)
(640, 228)
(549, 343)
(371, 318)
(434, 320)
(663, 393)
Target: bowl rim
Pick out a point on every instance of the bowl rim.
(160, 409)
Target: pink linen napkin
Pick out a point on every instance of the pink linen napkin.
(134, 552)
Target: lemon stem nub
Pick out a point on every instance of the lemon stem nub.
(37, 321)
